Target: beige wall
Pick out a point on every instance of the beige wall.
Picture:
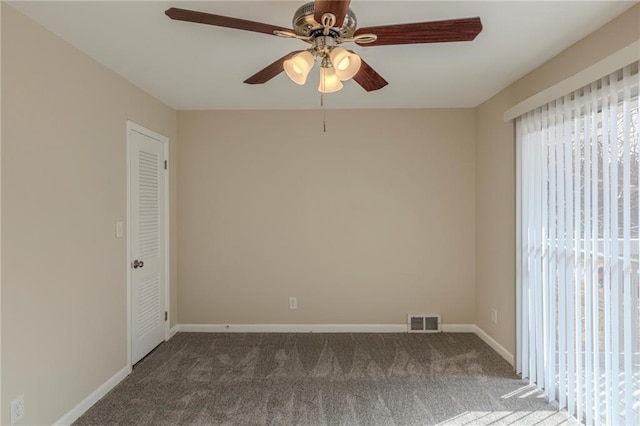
(381, 216)
(63, 186)
(365, 223)
(495, 172)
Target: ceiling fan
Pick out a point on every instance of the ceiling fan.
(325, 25)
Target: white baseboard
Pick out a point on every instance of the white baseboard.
(293, 328)
(340, 328)
(458, 328)
(502, 351)
(94, 397)
(172, 331)
(313, 328)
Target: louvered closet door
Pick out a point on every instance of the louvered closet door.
(147, 244)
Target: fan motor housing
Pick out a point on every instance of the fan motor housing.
(304, 24)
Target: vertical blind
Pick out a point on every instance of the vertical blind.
(579, 250)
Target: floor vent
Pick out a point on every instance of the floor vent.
(423, 323)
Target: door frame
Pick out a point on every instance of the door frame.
(131, 126)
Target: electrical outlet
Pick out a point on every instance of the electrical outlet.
(17, 409)
(494, 315)
(119, 229)
(293, 303)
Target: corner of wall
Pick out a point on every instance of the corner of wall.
(495, 172)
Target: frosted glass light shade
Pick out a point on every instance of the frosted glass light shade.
(346, 64)
(298, 67)
(329, 81)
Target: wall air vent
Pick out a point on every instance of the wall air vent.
(418, 323)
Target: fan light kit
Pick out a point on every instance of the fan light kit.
(325, 24)
(336, 63)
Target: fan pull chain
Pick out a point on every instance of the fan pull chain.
(324, 112)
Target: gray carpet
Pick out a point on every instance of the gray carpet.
(323, 379)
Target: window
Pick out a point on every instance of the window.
(579, 249)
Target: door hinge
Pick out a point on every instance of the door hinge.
(166, 315)
(165, 164)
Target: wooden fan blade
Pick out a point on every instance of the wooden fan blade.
(221, 21)
(368, 78)
(338, 7)
(270, 71)
(424, 32)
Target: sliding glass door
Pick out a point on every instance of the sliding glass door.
(579, 250)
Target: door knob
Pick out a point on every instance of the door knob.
(137, 264)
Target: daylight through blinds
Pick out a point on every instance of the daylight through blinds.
(579, 248)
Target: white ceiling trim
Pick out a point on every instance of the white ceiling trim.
(611, 63)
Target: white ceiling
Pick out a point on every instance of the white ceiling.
(194, 66)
